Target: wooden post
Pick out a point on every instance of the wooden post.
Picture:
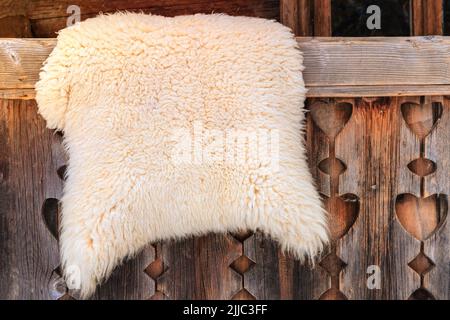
(297, 14)
(322, 18)
(14, 22)
(307, 17)
(427, 17)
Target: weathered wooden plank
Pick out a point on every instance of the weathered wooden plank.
(199, 268)
(437, 149)
(313, 92)
(329, 117)
(334, 66)
(297, 15)
(29, 158)
(271, 274)
(14, 22)
(42, 9)
(410, 205)
(357, 91)
(427, 17)
(31, 162)
(21, 60)
(376, 61)
(129, 281)
(18, 94)
(318, 143)
(47, 17)
(322, 18)
(274, 276)
(370, 145)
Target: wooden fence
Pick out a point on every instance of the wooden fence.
(382, 165)
(378, 137)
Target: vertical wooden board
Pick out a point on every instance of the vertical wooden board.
(407, 247)
(369, 145)
(428, 17)
(317, 145)
(437, 280)
(274, 275)
(49, 16)
(263, 279)
(329, 117)
(437, 247)
(322, 18)
(14, 21)
(129, 281)
(199, 268)
(437, 149)
(409, 149)
(28, 176)
(308, 283)
(297, 15)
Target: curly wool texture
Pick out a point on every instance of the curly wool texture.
(123, 87)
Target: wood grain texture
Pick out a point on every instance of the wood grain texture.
(14, 22)
(129, 281)
(370, 147)
(21, 60)
(298, 15)
(47, 17)
(363, 164)
(333, 66)
(350, 91)
(322, 18)
(376, 61)
(437, 149)
(330, 117)
(274, 275)
(427, 17)
(199, 268)
(29, 157)
(18, 94)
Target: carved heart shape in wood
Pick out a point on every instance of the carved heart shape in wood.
(421, 118)
(50, 213)
(421, 217)
(331, 118)
(343, 211)
(422, 167)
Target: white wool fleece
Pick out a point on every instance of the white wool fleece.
(176, 127)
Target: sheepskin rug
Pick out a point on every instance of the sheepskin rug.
(177, 127)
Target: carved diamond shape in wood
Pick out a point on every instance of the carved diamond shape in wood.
(332, 264)
(155, 269)
(332, 294)
(421, 264)
(242, 235)
(242, 264)
(421, 294)
(243, 295)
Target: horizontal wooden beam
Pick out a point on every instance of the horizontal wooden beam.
(49, 16)
(334, 67)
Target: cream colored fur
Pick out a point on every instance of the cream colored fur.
(121, 87)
